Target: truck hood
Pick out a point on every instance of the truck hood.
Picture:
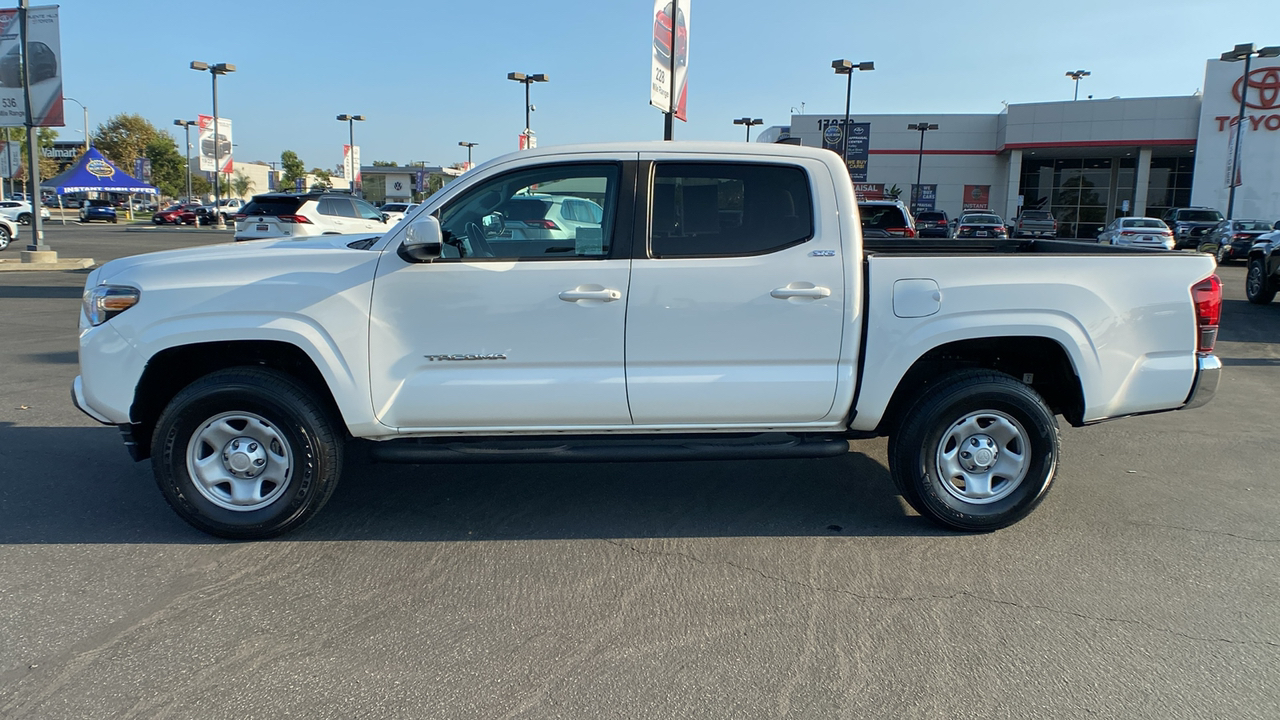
(280, 252)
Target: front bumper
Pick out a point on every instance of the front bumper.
(1208, 373)
(77, 397)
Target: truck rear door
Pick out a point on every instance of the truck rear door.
(737, 299)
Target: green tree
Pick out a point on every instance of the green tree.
(168, 167)
(383, 163)
(324, 180)
(124, 138)
(291, 168)
(44, 138)
(241, 184)
(200, 186)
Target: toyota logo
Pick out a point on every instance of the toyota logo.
(1264, 88)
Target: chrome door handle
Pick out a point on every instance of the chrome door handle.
(783, 293)
(605, 295)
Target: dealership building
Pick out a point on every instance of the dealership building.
(1087, 161)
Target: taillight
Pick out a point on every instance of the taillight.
(1128, 232)
(964, 229)
(1207, 295)
(901, 232)
(544, 224)
(1240, 236)
(300, 219)
(239, 216)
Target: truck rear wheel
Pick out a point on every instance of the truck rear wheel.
(975, 452)
(1257, 286)
(246, 454)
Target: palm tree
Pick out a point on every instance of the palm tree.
(241, 184)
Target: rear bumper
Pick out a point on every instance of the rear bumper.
(1208, 373)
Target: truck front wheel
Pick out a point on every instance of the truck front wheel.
(976, 451)
(246, 454)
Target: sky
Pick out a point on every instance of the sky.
(429, 74)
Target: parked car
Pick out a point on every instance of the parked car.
(549, 217)
(1137, 231)
(176, 214)
(20, 211)
(1263, 278)
(97, 210)
(886, 218)
(228, 207)
(932, 223)
(980, 224)
(394, 212)
(8, 231)
(1232, 239)
(732, 331)
(293, 216)
(1189, 224)
(1034, 223)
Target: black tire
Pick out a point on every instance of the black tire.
(1257, 286)
(113, 221)
(4, 238)
(24, 219)
(305, 453)
(935, 421)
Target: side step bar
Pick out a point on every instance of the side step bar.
(762, 446)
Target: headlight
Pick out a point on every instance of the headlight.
(103, 302)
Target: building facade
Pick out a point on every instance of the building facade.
(1087, 161)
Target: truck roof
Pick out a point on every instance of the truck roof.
(659, 146)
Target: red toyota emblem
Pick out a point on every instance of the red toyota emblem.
(1264, 89)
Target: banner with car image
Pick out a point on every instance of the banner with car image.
(208, 138)
(44, 51)
(668, 91)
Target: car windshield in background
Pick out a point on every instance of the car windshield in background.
(931, 216)
(99, 203)
(1200, 216)
(981, 219)
(395, 207)
(1252, 226)
(526, 209)
(1144, 223)
(272, 206)
(1036, 215)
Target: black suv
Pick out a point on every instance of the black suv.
(932, 223)
(1189, 224)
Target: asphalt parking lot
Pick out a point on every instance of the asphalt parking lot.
(1144, 587)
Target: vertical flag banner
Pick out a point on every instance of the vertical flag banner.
(351, 165)
(668, 87)
(44, 53)
(857, 140)
(924, 197)
(10, 158)
(1234, 135)
(207, 139)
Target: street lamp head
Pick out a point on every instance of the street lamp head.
(842, 67)
(867, 65)
(1077, 74)
(518, 77)
(344, 117)
(358, 117)
(224, 68)
(922, 126)
(1269, 52)
(467, 144)
(748, 121)
(540, 77)
(197, 65)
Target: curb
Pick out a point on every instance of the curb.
(177, 228)
(65, 264)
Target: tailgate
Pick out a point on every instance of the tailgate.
(1126, 321)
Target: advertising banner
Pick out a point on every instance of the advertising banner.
(420, 182)
(868, 191)
(977, 197)
(351, 165)
(10, 158)
(1234, 135)
(142, 169)
(924, 197)
(271, 181)
(206, 144)
(668, 90)
(44, 51)
(856, 139)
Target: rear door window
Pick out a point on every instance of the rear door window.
(728, 209)
(367, 211)
(270, 206)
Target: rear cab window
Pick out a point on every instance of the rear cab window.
(273, 206)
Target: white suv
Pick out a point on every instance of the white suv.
(549, 217)
(305, 215)
(19, 211)
(395, 211)
(8, 231)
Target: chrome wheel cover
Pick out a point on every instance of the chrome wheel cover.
(983, 457)
(239, 461)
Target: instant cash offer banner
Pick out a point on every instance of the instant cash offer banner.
(45, 56)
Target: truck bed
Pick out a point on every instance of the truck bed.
(1002, 246)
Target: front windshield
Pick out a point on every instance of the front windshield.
(1200, 216)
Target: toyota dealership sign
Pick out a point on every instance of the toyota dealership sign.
(1258, 174)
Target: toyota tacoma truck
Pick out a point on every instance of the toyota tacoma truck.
(685, 301)
(1034, 223)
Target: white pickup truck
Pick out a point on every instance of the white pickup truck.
(663, 301)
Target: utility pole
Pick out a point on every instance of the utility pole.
(33, 155)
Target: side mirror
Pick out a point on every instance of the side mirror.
(422, 241)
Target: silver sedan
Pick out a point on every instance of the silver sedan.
(1139, 231)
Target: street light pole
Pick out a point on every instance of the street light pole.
(351, 137)
(846, 67)
(1244, 52)
(1076, 75)
(468, 146)
(527, 80)
(923, 127)
(86, 120)
(186, 125)
(215, 70)
(748, 122)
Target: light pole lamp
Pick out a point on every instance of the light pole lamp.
(923, 127)
(215, 69)
(748, 122)
(186, 125)
(1076, 75)
(527, 80)
(468, 146)
(350, 120)
(86, 120)
(1244, 52)
(846, 67)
